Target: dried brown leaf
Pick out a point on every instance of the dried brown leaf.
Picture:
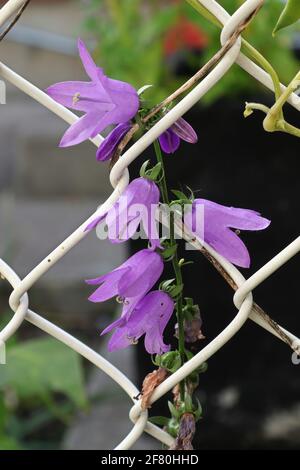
(151, 381)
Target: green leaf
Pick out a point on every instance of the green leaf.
(41, 366)
(289, 15)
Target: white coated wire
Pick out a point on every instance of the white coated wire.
(243, 298)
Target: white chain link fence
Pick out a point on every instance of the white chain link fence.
(243, 298)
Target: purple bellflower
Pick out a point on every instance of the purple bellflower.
(135, 205)
(180, 130)
(218, 222)
(103, 100)
(130, 281)
(111, 142)
(149, 317)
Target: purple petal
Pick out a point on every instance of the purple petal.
(218, 220)
(117, 209)
(130, 304)
(110, 143)
(146, 268)
(77, 95)
(118, 115)
(87, 61)
(116, 324)
(243, 219)
(151, 228)
(131, 281)
(126, 99)
(121, 219)
(106, 101)
(145, 190)
(151, 316)
(229, 245)
(109, 287)
(81, 130)
(154, 343)
(185, 131)
(108, 119)
(149, 218)
(169, 141)
(119, 340)
(122, 227)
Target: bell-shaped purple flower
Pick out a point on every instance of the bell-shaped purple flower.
(110, 143)
(218, 222)
(130, 281)
(138, 203)
(180, 130)
(103, 100)
(149, 317)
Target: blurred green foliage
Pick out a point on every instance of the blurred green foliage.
(129, 41)
(130, 36)
(41, 387)
(39, 366)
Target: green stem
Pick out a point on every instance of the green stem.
(262, 61)
(163, 183)
(179, 304)
(281, 100)
(290, 129)
(175, 262)
(274, 120)
(257, 106)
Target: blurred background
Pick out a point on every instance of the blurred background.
(250, 392)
